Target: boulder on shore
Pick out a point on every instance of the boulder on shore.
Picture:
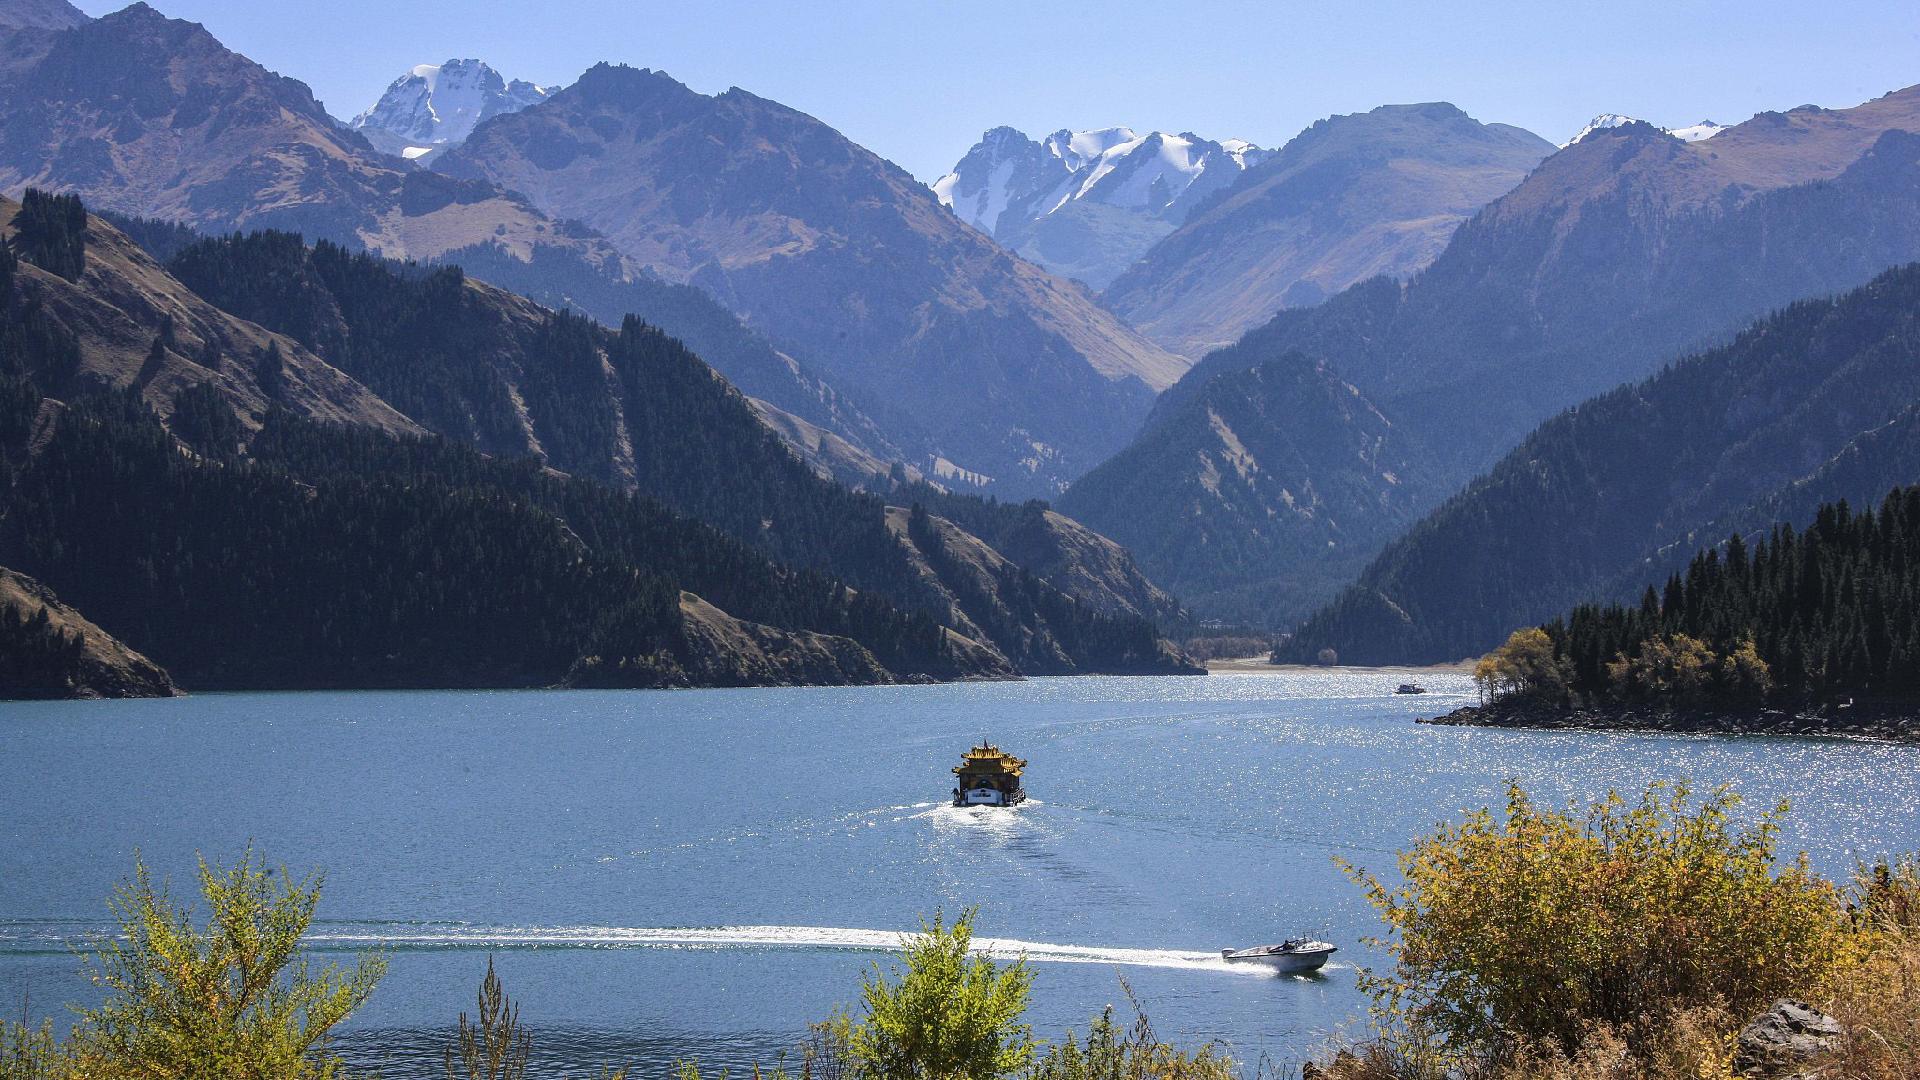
(1784, 1039)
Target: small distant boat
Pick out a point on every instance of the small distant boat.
(989, 776)
(1411, 688)
(1294, 956)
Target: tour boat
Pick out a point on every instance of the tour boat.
(1294, 956)
(1411, 688)
(988, 776)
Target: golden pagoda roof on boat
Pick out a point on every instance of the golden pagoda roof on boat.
(988, 776)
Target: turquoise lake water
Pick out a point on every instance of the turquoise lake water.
(661, 875)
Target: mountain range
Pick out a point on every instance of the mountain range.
(1705, 129)
(146, 115)
(770, 340)
(1005, 372)
(1617, 254)
(1611, 258)
(942, 333)
(1351, 198)
(1087, 204)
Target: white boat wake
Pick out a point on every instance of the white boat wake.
(60, 935)
(456, 936)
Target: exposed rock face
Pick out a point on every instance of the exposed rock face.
(841, 258)
(49, 650)
(1785, 1039)
(1350, 198)
(720, 650)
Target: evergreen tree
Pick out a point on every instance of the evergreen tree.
(50, 231)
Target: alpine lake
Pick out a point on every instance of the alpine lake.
(699, 875)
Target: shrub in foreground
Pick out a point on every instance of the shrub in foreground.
(228, 997)
(1630, 942)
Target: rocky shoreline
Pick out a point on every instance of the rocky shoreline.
(1891, 720)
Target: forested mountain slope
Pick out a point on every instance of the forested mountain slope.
(49, 650)
(1811, 404)
(617, 411)
(106, 313)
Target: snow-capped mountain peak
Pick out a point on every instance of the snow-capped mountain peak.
(1010, 187)
(1003, 167)
(1705, 129)
(1603, 122)
(435, 106)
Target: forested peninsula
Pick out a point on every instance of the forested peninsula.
(1813, 631)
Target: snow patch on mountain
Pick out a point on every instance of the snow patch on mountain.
(435, 106)
(1705, 129)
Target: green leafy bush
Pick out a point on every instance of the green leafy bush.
(950, 1014)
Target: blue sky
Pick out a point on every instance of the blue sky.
(919, 80)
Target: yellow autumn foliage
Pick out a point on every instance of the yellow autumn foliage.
(1530, 930)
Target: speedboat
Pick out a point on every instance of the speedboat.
(1294, 956)
(1411, 688)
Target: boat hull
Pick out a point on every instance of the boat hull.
(1284, 961)
(986, 796)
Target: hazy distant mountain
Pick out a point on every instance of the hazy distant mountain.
(1350, 198)
(1087, 204)
(844, 260)
(435, 106)
(1616, 254)
(1814, 404)
(152, 116)
(1256, 496)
